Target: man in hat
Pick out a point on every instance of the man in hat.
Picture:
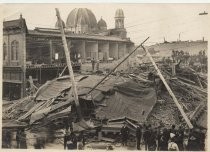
(93, 64)
(124, 134)
(163, 141)
(146, 136)
(70, 140)
(152, 140)
(180, 138)
(172, 146)
(138, 136)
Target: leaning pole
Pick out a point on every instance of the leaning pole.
(68, 60)
(169, 89)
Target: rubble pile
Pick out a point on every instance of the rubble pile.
(131, 96)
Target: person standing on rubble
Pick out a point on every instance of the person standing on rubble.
(93, 64)
(124, 134)
(97, 65)
(138, 136)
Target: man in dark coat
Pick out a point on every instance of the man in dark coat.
(180, 138)
(70, 140)
(138, 136)
(146, 136)
(8, 139)
(18, 135)
(163, 143)
(93, 64)
(23, 144)
(152, 140)
(124, 133)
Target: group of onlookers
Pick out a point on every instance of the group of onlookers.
(20, 139)
(163, 139)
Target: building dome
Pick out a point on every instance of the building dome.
(81, 16)
(119, 13)
(58, 26)
(102, 24)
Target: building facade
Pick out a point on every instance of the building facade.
(39, 53)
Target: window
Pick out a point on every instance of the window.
(14, 50)
(4, 51)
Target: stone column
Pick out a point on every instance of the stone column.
(51, 51)
(104, 47)
(95, 46)
(81, 48)
(94, 50)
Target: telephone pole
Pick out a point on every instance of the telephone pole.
(169, 89)
(71, 73)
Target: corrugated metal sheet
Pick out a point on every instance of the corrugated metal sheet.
(105, 86)
(53, 88)
(123, 105)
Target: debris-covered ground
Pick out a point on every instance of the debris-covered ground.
(132, 96)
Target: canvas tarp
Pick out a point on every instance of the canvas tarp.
(129, 100)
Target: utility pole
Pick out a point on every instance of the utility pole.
(71, 73)
(169, 89)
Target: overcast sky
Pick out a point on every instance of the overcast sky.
(141, 20)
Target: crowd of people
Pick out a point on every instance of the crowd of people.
(20, 139)
(162, 139)
(148, 138)
(178, 56)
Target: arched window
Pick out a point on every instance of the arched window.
(14, 50)
(4, 51)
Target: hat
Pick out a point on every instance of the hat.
(172, 135)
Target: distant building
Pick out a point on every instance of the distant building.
(40, 52)
(165, 49)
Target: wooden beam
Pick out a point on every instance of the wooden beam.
(169, 89)
(71, 73)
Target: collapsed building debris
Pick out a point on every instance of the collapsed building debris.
(128, 97)
(101, 105)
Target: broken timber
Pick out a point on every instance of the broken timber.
(169, 89)
(117, 66)
(71, 73)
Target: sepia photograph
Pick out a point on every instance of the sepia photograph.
(105, 76)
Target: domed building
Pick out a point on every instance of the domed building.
(102, 26)
(86, 39)
(81, 20)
